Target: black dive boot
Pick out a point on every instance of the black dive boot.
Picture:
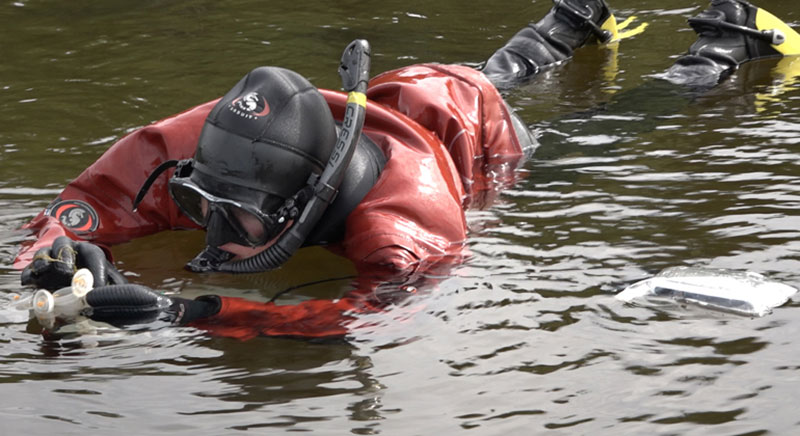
(727, 38)
(569, 25)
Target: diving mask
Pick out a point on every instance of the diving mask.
(225, 219)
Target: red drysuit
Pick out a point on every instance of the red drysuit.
(444, 130)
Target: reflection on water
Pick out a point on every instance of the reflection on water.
(525, 336)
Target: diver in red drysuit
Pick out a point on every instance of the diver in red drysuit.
(412, 213)
(434, 136)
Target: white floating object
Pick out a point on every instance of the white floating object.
(20, 302)
(65, 303)
(744, 293)
(43, 308)
(43, 303)
(82, 282)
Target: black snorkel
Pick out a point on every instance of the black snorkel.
(354, 70)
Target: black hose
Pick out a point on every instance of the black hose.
(125, 304)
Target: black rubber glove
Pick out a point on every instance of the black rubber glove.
(53, 267)
(129, 304)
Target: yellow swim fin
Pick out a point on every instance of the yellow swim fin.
(617, 33)
(616, 30)
(787, 73)
(785, 39)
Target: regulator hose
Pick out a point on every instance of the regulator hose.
(126, 304)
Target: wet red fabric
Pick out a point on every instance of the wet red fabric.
(245, 319)
(444, 130)
(466, 113)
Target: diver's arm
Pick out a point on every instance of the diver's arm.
(376, 290)
(97, 205)
(245, 319)
(448, 135)
(232, 317)
(466, 113)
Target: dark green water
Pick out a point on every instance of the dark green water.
(526, 337)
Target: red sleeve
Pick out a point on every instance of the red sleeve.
(373, 294)
(377, 291)
(245, 319)
(464, 110)
(97, 205)
(446, 133)
(414, 211)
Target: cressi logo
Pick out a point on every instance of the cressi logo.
(251, 106)
(78, 216)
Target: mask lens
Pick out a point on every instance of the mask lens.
(250, 225)
(190, 202)
(254, 227)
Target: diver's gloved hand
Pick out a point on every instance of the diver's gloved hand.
(53, 267)
(129, 304)
(727, 37)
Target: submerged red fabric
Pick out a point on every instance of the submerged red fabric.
(444, 129)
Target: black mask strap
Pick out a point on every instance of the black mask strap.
(152, 178)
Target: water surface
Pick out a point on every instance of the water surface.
(525, 337)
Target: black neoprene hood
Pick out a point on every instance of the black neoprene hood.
(264, 138)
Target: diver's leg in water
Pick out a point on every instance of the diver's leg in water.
(728, 36)
(569, 25)
(717, 53)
